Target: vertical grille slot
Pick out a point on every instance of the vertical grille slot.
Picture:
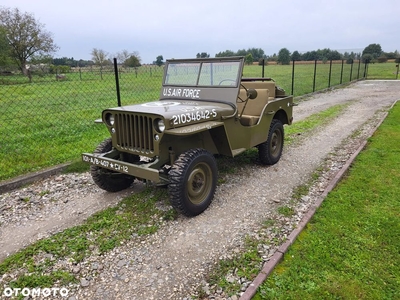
(134, 132)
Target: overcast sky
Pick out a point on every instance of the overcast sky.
(183, 28)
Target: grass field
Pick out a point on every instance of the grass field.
(48, 122)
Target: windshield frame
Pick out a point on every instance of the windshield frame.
(207, 73)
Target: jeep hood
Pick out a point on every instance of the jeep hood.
(170, 109)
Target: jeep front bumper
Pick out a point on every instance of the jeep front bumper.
(143, 171)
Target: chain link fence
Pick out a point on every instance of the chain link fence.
(49, 119)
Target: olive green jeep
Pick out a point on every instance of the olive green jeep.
(205, 108)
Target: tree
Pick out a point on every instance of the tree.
(367, 58)
(333, 55)
(373, 49)
(296, 55)
(284, 56)
(202, 55)
(65, 61)
(390, 55)
(226, 53)
(249, 59)
(256, 53)
(5, 49)
(26, 37)
(159, 60)
(241, 52)
(382, 58)
(310, 55)
(129, 59)
(132, 62)
(272, 57)
(122, 56)
(100, 57)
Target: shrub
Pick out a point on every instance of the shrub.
(382, 59)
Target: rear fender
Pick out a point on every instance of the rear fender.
(281, 116)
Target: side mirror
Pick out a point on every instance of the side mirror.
(252, 93)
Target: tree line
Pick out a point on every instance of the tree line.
(371, 53)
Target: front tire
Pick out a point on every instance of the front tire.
(193, 180)
(108, 180)
(270, 151)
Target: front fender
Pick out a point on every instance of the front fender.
(193, 129)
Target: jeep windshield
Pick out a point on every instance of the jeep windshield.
(215, 79)
(203, 74)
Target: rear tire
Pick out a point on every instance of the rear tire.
(270, 151)
(108, 180)
(193, 180)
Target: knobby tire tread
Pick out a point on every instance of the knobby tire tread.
(177, 185)
(264, 154)
(106, 179)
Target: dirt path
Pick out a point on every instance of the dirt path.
(173, 263)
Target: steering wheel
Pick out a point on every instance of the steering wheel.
(227, 80)
(241, 100)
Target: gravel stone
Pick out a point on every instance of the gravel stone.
(84, 282)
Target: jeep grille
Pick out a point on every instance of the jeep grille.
(134, 132)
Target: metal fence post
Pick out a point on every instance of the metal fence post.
(263, 65)
(359, 65)
(117, 82)
(330, 74)
(351, 70)
(293, 77)
(315, 74)
(366, 70)
(341, 72)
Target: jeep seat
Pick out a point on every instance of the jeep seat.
(269, 85)
(254, 107)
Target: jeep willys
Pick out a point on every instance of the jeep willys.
(205, 108)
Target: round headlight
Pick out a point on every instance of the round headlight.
(160, 126)
(110, 119)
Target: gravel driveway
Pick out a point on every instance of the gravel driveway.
(173, 263)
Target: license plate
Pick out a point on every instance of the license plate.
(105, 163)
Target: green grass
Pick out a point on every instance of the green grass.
(382, 71)
(304, 127)
(350, 249)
